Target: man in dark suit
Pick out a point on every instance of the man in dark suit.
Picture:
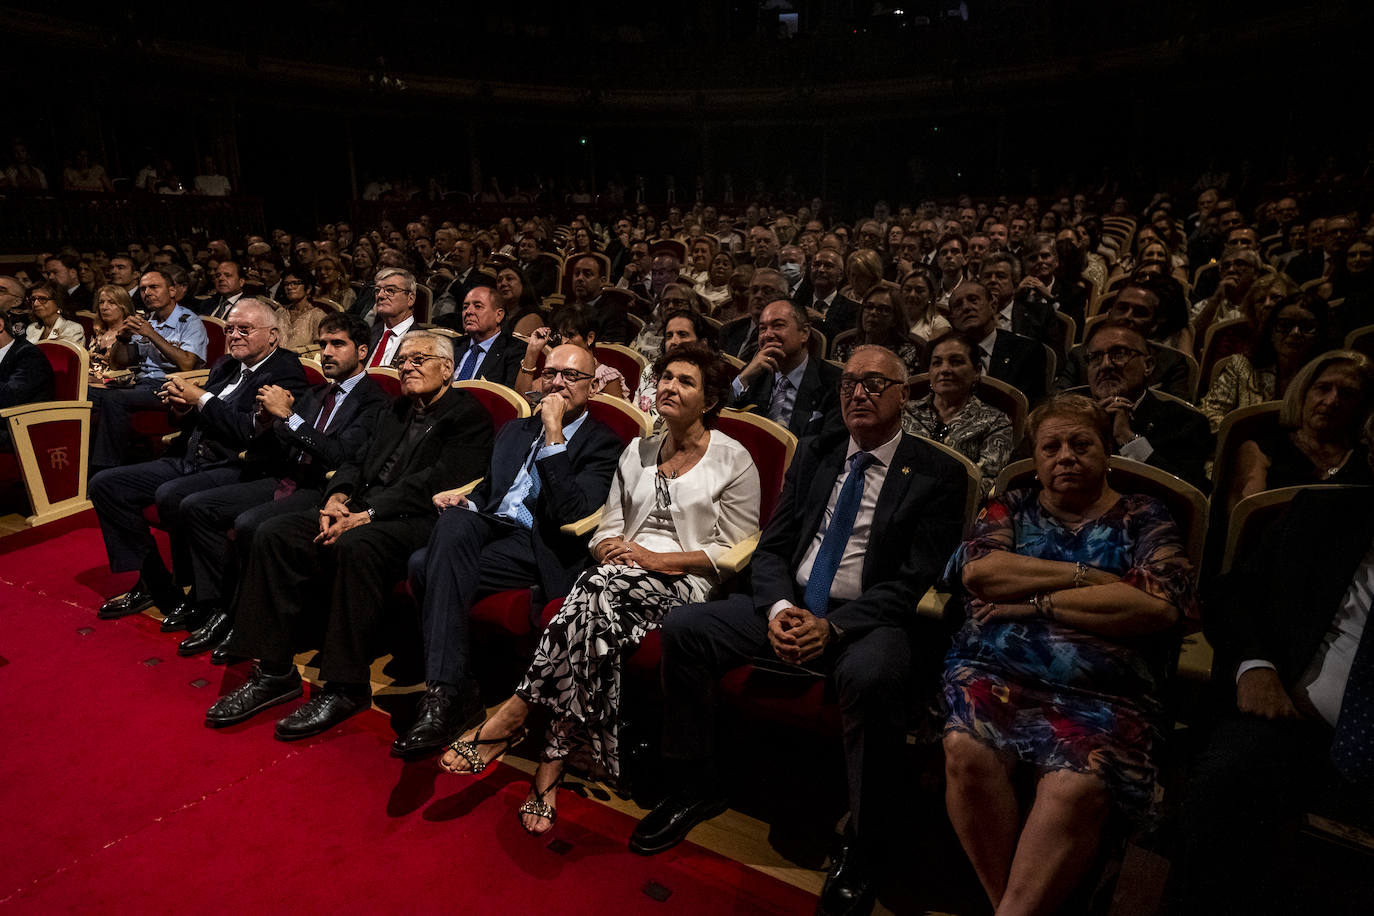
(395, 311)
(331, 423)
(1139, 303)
(867, 518)
(782, 382)
(740, 338)
(1315, 262)
(830, 311)
(1030, 316)
(486, 351)
(1294, 672)
(64, 269)
(217, 422)
(464, 263)
(228, 290)
(25, 373)
(1008, 356)
(1148, 428)
(378, 511)
(546, 471)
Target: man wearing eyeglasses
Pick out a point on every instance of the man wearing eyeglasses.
(485, 351)
(1141, 302)
(166, 337)
(377, 512)
(867, 518)
(546, 471)
(1166, 434)
(395, 311)
(782, 382)
(217, 421)
(25, 373)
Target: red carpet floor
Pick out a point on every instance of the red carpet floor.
(116, 799)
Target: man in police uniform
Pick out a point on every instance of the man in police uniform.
(171, 338)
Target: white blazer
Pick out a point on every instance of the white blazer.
(66, 329)
(715, 504)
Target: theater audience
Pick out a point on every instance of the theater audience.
(740, 338)
(300, 317)
(926, 319)
(519, 301)
(1142, 302)
(680, 326)
(952, 414)
(26, 376)
(47, 302)
(1073, 590)
(377, 512)
(833, 311)
(332, 283)
(1320, 435)
(395, 310)
(679, 500)
(302, 440)
(1005, 355)
(228, 280)
(112, 306)
(217, 421)
(546, 471)
(570, 325)
(715, 288)
(831, 587)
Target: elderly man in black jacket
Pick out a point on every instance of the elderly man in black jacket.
(25, 373)
(867, 518)
(217, 422)
(377, 512)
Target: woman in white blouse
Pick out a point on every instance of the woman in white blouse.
(47, 302)
(680, 499)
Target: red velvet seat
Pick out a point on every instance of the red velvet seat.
(69, 369)
(502, 403)
(215, 339)
(389, 379)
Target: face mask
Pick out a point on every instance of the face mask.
(792, 272)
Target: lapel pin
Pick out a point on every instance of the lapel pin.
(906, 469)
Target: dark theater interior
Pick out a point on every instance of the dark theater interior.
(751, 456)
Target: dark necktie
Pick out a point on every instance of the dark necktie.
(1352, 749)
(469, 365)
(777, 405)
(817, 596)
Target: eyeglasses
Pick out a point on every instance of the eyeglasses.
(240, 330)
(292, 283)
(390, 291)
(1289, 325)
(1118, 356)
(874, 384)
(571, 376)
(37, 298)
(415, 362)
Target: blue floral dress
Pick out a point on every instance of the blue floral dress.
(1053, 696)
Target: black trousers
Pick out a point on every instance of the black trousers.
(121, 494)
(467, 556)
(1241, 813)
(208, 518)
(112, 420)
(873, 679)
(359, 571)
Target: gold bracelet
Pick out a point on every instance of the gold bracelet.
(529, 369)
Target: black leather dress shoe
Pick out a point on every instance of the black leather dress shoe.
(443, 717)
(319, 714)
(135, 601)
(208, 636)
(223, 655)
(185, 616)
(670, 822)
(254, 695)
(849, 889)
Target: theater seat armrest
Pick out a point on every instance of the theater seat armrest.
(583, 526)
(1195, 659)
(170, 437)
(465, 490)
(932, 604)
(738, 557)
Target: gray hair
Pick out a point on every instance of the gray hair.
(899, 366)
(407, 278)
(442, 345)
(269, 313)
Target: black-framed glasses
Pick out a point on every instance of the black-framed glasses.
(415, 362)
(875, 383)
(571, 376)
(1289, 325)
(1118, 356)
(36, 298)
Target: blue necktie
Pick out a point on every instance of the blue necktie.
(1352, 748)
(469, 363)
(837, 534)
(523, 514)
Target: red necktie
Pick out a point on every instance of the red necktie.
(381, 349)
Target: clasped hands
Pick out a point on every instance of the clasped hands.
(797, 635)
(619, 552)
(180, 394)
(336, 518)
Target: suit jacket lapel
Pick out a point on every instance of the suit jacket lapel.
(806, 397)
(896, 485)
(818, 497)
